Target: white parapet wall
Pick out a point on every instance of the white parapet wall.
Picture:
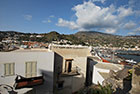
(97, 76)
(45, 65)
(103, 68)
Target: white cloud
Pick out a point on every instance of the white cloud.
(111, 30)
(135, 31)
(130, 25)
(49, 21)
(90, 16)
(123, 12)
(28, 17)
(102, 1)
(46, 21)
(134, 4)
(137, 13)
(51, 16)
(69, 24)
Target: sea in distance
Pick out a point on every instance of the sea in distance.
(130, 55)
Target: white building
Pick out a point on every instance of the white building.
(74, 66)
(66, 70)
(98, 71)
(28, 63)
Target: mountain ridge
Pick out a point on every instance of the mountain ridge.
(85, 32)
(93, 38)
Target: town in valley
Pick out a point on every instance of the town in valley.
(69, 47)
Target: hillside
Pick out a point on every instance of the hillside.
(98, 38)
(83, 37)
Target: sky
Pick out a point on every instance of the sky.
(120, 17)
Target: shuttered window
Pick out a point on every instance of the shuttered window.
(9, 69)
(31, 69)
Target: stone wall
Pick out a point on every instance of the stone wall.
(136, 80)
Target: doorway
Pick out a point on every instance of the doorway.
(68, 65)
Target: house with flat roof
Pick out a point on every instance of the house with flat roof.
(98, 71)
(64, 68)
(31, 64)
(74, 66)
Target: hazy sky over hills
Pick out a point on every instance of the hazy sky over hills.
(69, 16)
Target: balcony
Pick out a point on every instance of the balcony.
(74, 71)
(21, 82)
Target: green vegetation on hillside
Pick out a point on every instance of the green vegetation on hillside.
(84, 38)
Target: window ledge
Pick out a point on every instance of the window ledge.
(7, 75)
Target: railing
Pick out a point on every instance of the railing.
(75, 71)
(21, 82)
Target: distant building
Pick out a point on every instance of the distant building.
(29, 44)
(39, 36)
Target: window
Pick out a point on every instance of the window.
(9, 69)
(31, 69)
(60, 84)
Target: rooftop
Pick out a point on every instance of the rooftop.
(104, 65)
(70, 46)
(104, 75)
(95, 58)
(109, 66)
(31, 50)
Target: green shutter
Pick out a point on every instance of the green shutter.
(9, 69)
(31, 68)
